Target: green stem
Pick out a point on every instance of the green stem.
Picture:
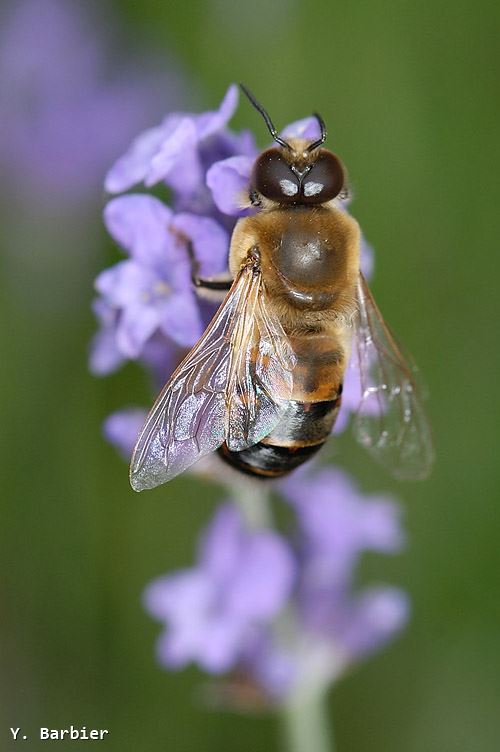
(253, 500)
(306, 723)
(307, 727)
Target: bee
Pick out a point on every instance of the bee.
(263, 385)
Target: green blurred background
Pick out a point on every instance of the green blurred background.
(410, 95)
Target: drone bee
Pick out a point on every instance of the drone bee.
(263, 385)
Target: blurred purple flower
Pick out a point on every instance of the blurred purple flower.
(337, 524)
(370, 620)
(337, 521)
(284, 662)
(222, 613)
(242, 579)
(335, 625)
(122, 429)
(66, 112)
(105, 356)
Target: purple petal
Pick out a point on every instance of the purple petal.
(382, 527)
(263, 578)
(105, 356)
(270, 664)
(161, 355)
(228, 180)
(137, 323)
(133, 167)
(179, 319)
(221, 645)
(209, 240)
(187, 181)
(351, 394)
(374, 617)
(367, 260)
(210, 122)
(68, 107)
(182, 139)
(139, 223)
(180, 597)
(175, 648)
(221, 543)
(126, 283)
(307, 128)
(122, 429)
(337, 520)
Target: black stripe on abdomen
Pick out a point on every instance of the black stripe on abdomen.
(268, 461)
(301, 432)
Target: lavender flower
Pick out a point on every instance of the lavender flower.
(272, 609)
(241, 581)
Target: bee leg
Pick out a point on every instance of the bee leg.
(212, 284)
(207, 288)
(212, 290)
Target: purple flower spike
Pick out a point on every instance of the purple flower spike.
(242, 580)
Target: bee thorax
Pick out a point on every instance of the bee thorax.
(305, 258)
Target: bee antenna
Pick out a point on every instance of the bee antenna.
(321, 140)
(269, 122)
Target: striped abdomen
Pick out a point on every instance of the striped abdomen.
(308, 417)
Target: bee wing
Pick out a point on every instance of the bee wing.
(230, 387)
(391, 421)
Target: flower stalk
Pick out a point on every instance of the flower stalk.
(307, 726)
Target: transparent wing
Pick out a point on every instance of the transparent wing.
(230, 387)
(391, 421)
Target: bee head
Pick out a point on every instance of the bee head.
(297, 172)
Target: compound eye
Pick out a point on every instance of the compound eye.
(273, 178)
(325, 179)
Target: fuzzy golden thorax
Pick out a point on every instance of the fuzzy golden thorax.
(309, 261)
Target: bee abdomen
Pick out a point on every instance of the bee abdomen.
(301, 432)
(268, 461)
